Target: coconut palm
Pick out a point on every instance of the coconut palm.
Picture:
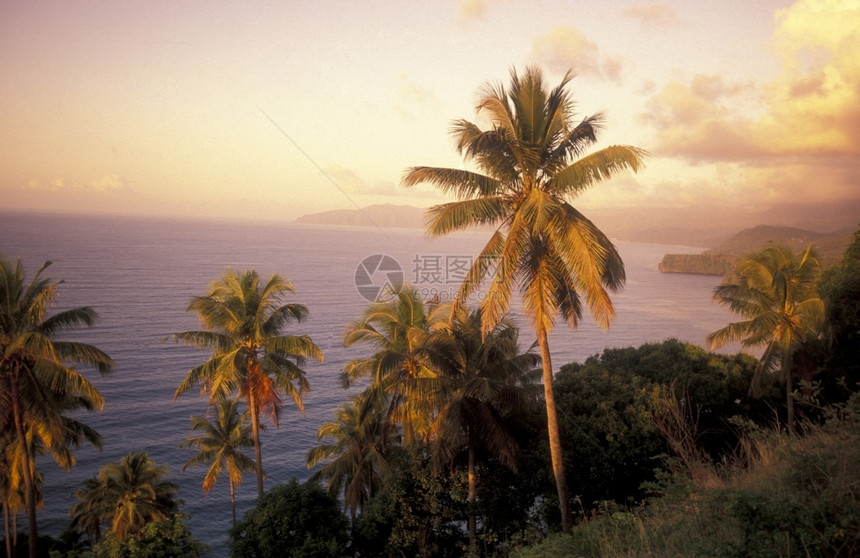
(403, 376)
(11, 493)
(37, 381)
(91, 510)
(128, 494)
(531, 163)
(356, 463)
(775, 292)
(251, 356)
(219, 444)
(487, 377)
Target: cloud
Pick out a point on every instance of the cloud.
(471, 10)
(816, 98)
(806, 139)
(346, 179)
(411, 95)
(351, 184)
(655, 16)
(563, 48)
(110, 183)
(714, 88)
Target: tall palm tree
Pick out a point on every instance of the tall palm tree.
(487, 377)
(775, 292)
(219, 444)
(128, 494)
(356, 460)
(529, 168)
(403, 376)
(251, 356)
(37, 381)
(11, 495)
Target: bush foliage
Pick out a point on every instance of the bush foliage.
(292, 520)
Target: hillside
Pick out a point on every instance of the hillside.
(718, 260)
(384, 215)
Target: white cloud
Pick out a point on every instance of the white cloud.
(352, 184)
(812, 107)
(110, 183)
(655, 16)
(471, 10)
(563, 48)
(411, 96)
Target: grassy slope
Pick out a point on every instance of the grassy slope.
(784, 497)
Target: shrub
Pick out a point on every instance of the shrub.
(292, 520)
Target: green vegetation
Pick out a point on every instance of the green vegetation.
(169, 538)
(251, 357)
(530, 169)
(775, 292)
(840, 288)
(220, 444)
(38, 387)
(721, 259)
(444, 451)
(703, 264)
(127, 495)
(292, 521)
(780, 496)
(140, 509)
(615, 407)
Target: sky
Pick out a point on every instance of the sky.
(270, 110)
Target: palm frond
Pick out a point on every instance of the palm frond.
(442, 219)
(462, 183)
(597, 167)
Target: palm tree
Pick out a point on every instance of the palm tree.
(219, 444)
(91, 510)
(775, 292)
(37, 381)
(251, 357)
(11, 495)
(487, 378)
(356, 460)
(128, 494)
(529, 170)
(403, 376)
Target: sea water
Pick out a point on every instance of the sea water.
(140, 273)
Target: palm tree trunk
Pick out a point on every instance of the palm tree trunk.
(554, 434)
(472, 497)
(6, 529)
(789, 401)
(255, 433)
(27, 471)
(233, 500)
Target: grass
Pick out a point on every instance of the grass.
(781, 497)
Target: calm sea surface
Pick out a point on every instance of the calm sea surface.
(139, 274)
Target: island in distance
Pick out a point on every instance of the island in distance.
(719, 260)
(715, 231)
(382, 216)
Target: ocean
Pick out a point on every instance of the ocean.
(140, 273)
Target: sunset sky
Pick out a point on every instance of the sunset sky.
(270, 110)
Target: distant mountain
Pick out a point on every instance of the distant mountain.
(718, 260)
(707, 226)
(762, 236)
(384, 215)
